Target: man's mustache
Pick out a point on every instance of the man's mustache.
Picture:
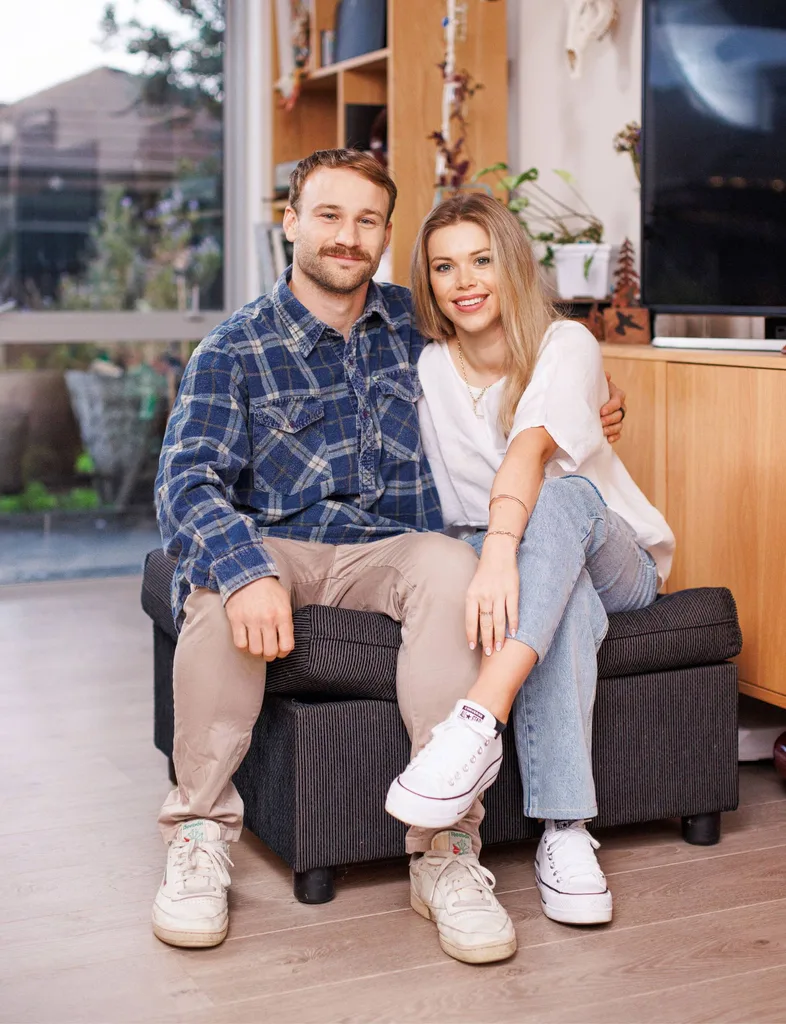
(352, 254)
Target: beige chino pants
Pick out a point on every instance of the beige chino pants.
(418, 579)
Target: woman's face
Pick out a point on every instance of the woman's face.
(463, 276)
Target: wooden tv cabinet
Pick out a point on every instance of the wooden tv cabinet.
(705, 439)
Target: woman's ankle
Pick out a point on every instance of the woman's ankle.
(494, 703)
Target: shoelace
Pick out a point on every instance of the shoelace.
(205, 864)
(481, 880)
(574, 848)
(423, 755)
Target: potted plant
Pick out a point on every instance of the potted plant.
(571, 237)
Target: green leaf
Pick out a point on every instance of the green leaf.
(11, 503)
(38, 499)
(84, 464)
(492, 169)
(518, 204)
(587, 264)
(566, 176)
(516, 181)
(548, 258)
(80, 498)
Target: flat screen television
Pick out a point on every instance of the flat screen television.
(714, 156)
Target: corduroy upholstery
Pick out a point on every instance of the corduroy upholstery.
(664, 741)
(349, 654)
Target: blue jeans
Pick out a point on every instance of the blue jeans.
(578, 562)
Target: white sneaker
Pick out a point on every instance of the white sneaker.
(573, 888)
(460, 761)
(450, 888)
(190, 908)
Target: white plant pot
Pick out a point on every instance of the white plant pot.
(576, 279)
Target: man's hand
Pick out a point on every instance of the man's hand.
(613, 412)
(260, 615)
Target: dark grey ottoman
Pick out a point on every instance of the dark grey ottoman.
(330, 740)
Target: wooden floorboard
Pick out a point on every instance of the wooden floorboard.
(695, 936)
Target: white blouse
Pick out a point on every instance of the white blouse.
(567, 389)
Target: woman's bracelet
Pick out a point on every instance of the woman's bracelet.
(510, 497)
(502, 533)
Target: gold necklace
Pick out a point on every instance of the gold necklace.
(475, 401)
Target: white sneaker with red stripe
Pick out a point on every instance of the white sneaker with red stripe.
(190, 908)
(460, 761)
(573, 888)
(449, 887)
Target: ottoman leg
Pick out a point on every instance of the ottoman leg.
(172, 773)
(314, 885)
(702, 829)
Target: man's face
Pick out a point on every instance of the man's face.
(340, 231)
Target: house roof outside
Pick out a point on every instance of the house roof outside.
(97, 123)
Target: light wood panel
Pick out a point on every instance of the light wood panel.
(362, 85)
(414, 111)
(405, 75)
(760, 360)
(726, 485)
(311, 124)
(415, 101)
(307, 127)
(707, 429)
(642, 446)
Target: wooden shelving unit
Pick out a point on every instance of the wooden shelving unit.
(405, 78)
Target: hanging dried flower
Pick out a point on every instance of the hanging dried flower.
(629, 141)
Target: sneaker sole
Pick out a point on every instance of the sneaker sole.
(429, 812)
(189, 940)
(473, 955)
(569, 908)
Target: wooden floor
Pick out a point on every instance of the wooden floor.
(697, 933)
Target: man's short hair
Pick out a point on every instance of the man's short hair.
(353, 160)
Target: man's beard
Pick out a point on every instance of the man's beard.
(319, 267)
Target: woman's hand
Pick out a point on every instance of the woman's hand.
(613, 412)
(493, 595)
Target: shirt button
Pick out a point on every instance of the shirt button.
(365, 414)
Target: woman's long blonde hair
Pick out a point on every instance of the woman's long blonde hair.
(525, 309)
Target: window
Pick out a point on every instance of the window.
(118, 252)
(111, 157)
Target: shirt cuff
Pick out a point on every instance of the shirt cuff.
(241, 566)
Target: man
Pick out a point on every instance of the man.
(292, 474)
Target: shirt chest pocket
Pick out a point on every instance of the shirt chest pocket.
(289, 446)
(398, 392)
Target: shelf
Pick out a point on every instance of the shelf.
(337, 101)
(375, 61)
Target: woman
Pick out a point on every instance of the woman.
(510, 426)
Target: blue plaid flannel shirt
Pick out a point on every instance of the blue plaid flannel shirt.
(282, 428)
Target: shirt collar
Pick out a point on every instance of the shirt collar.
(305, 328)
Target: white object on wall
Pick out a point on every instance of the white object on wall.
(588, 21)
